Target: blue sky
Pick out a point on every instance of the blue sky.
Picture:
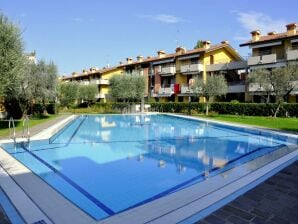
(93, 33)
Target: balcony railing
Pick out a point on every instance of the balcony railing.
(185, 89)
(166, 90)
(190, 68)
(226, 66)
(264, 59)
(100, 96)
(167, 70)
(85, 82)
(292, 55)
(100, 81)
(236, 87)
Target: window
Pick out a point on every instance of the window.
(295, 46)
(265, 51)
(194, 61)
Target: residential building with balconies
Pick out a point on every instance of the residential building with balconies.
(272, 51)
(100, 77)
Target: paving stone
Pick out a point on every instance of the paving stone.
(261, 213)
(238, 212)
(237, 220)
(222, 214)
(272, 202)
(258, 220)
(279, 220)
(214, 220)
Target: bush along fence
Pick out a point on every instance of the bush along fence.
(253, 109)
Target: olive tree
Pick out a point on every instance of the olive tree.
(38, 84)
(127, 87)
(68, 93)
(279, 82)
(11, 63)
(87, 93)
(212, 87)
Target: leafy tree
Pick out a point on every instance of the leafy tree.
(279, 82)
(68, 93)
(128, 87)
(200, 44)
(38, 84)
(212, 87)
(88, 93)
(11, 63)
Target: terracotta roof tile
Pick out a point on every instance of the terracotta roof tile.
(269, 38)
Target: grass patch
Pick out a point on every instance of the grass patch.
(4, 131)
(287, 124)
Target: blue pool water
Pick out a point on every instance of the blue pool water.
(106, 164)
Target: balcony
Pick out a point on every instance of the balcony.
(235, 65)
(166, 90)
(264, 59)
(100, 81)
(236, 87)
(85, 82)
(185, 89)
(292, 55)
(191, 68)
(166, 70)
(100, 96)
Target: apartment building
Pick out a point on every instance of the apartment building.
(271, 51)
(168, 75)
(96, 76)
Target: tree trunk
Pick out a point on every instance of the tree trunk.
(142, 104)
(207, 108)
(277, 109)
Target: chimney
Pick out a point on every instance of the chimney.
(271, 33)
(85, 71)
(148, 57)
(129, 60)
(291, 28)
(206, 44)
(255, 35)
(120, 63)
(225, 42)
(180, 50)
(161, 53)
(140, 58)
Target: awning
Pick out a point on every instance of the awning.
(189, 57)
(267, 45)
(163, 61)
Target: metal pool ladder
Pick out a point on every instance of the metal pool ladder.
(26, 129)
(12, 129)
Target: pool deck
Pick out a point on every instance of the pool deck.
(273, 201)
(37, 201)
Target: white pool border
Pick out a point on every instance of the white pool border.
(173, 208)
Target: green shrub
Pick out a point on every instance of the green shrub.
(52, 108)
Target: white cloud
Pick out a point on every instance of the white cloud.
(259, 21)
(164, 18)
(78, 20)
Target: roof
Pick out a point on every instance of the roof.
(173, 55)
(269, 38)
(166, 56)
(99, 71)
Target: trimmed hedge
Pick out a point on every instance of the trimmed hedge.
(181, 107)
(253, 109)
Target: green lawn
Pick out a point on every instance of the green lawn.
(287, 124)
(19, 124)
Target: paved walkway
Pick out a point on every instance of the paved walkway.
(275, 201)
(40, 127)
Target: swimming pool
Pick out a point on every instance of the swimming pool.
(107, 164)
